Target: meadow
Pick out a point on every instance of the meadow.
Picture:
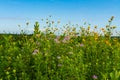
(74, 54)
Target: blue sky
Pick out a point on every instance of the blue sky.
(94, 12)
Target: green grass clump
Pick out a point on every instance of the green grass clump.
(72, 55)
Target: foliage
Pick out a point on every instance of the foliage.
(73, 55)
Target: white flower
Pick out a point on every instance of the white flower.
(59, 65)
(70, 53)
(58, 57)
(35, 52)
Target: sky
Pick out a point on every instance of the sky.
(94, 12)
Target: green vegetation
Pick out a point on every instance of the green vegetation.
(73, 55)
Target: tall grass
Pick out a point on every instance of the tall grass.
(73, 55)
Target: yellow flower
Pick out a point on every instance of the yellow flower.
(96, 38)
(115, 40)
(108, 43)
(96, 34)
(83, 40)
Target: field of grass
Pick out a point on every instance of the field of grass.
(73, 55)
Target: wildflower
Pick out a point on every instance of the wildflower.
(35, 52)
(108, 43)
(94, 77)
(95, 33)
(38, 35)
(81, 45)
(70, 53)
(58, 57)
(56, 40)
(59, 65)
(38, 43)
(96, 39)
(102, 29)
(115, 40)
(83, 40)
(66, 39)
